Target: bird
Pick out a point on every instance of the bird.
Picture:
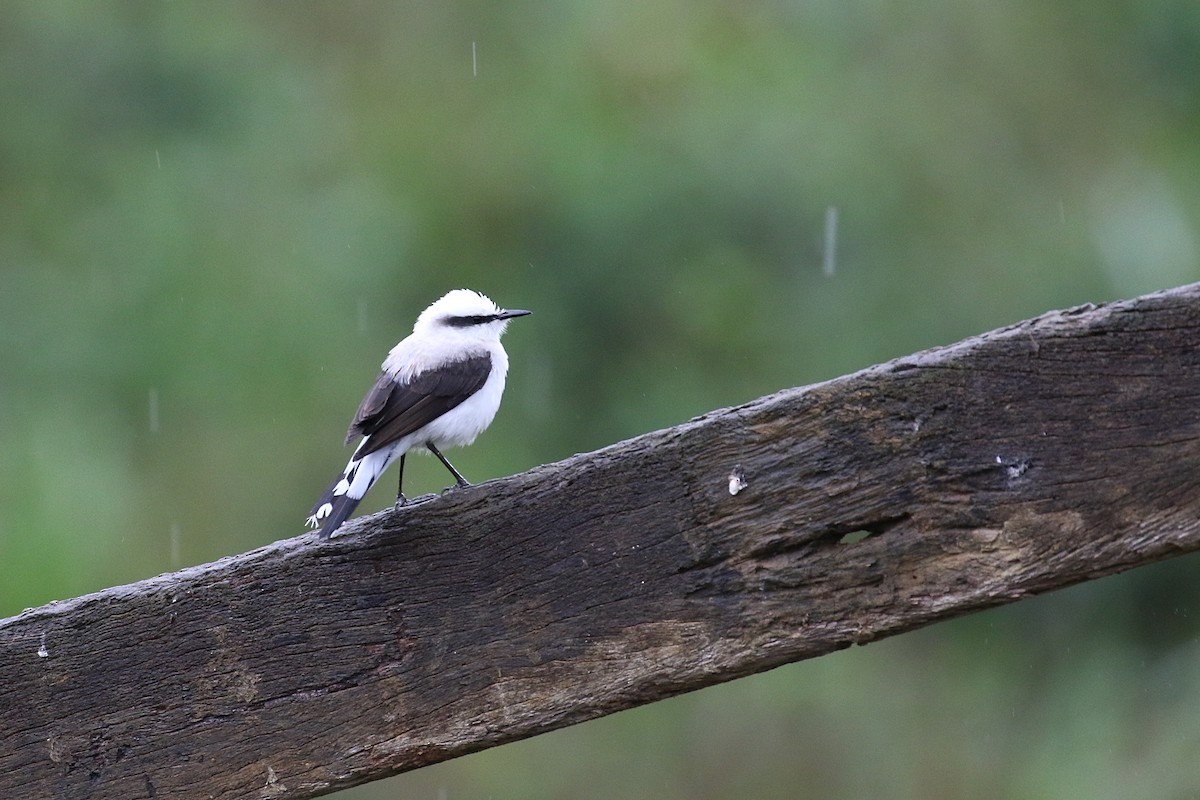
(439, 387)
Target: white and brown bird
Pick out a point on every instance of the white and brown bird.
(439, 387)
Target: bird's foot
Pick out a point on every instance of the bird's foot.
(401, 500)
(455, 487)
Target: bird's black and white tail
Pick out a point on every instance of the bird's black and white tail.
(332, 510)
(340, 499)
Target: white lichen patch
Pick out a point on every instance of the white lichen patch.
(737, 480)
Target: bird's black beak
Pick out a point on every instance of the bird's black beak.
(516, 312)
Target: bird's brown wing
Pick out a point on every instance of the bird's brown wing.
(392, 410)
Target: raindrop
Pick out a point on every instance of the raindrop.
(42, 650)
(829, 262)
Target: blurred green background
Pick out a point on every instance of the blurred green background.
(216, 218)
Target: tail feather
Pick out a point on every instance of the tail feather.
(331, 511)
(340, 499)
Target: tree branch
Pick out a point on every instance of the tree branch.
(1027, 459)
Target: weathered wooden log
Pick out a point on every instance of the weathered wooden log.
(1057, 450)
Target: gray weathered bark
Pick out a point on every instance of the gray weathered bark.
(1030, 458)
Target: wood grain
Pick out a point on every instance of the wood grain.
(1030, 458)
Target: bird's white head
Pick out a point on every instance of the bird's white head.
(465, 314)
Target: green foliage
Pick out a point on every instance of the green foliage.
(215, 219)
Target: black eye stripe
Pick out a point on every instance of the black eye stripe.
(466, 322)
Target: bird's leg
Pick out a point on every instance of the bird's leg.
(400, 498)
(458, 478)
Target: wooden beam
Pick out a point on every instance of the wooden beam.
(1047, 453)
